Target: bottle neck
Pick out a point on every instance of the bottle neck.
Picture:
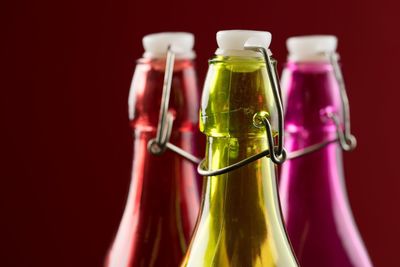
(146, 93)
(240, 222)
(236, 88)
(310, 92)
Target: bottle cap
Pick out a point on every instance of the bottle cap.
(233, 42)
(156, 44)
(311, 47)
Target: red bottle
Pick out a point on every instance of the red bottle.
(163, 198)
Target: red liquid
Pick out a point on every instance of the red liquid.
(163, 199)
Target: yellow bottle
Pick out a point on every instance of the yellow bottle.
(240, 222)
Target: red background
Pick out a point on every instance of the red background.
(65, 141)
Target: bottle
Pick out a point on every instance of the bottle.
(312, 187)
(240, 222)
(163, 199)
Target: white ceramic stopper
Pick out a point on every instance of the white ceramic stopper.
(233, 42)
(311, 47)
(156, 44)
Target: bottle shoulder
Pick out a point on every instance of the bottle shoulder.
(234, 92)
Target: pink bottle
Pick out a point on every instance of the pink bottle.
(163, 199)
(316, 209)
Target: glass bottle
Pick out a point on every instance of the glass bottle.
(312, 187)
(163, 199)
(240, 221)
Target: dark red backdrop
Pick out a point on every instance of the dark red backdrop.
(65, 141)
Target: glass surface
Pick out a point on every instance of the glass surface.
(163, 200)
(240, 222)
(312, 188)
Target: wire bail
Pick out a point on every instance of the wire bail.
(347, 141)
(277, 154)
(160, 144)
(345, 138)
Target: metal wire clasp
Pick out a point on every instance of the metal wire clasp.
(276, 152)
(158, 145)
(346, 140)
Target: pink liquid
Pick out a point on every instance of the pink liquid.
(312, 188)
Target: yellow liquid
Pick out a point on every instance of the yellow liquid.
(240, 222)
